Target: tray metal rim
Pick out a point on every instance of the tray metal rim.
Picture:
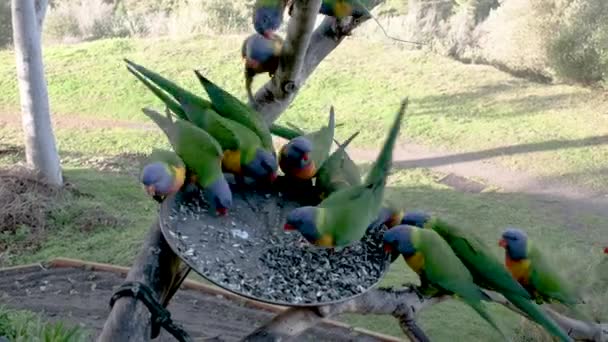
(164, 212)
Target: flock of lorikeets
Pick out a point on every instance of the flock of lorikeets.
(224, 135)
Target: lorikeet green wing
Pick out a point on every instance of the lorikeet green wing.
(443, 269)
(284, 132)
(322, 140)
(488, 272)
(486, 268)
(168, 86)
(547, 281)
(342, 218)
(228, 106)
(201, 153)
(334, 173)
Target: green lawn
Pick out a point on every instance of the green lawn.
(117, 194)
(456, 106)
(465, 108)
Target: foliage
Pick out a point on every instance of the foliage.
(578, 41)
(6, 27)
(24, 326)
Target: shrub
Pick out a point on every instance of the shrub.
(578, 42)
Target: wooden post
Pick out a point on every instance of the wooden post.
(129, 319)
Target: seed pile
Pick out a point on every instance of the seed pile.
(249, 253)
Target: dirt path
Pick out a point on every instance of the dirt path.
(80, 296)
(468, 172)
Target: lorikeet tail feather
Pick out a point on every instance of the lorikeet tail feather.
(537, 315)
(478, 307)
(168, 101)
(164, 122)
(377, 174)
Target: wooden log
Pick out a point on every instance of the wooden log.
(129, 319)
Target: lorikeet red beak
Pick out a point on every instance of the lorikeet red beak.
(151, 190)
(502, 243)
(288, 227)
(221, 211)
(388, 248)
(605, 250)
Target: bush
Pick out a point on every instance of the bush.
(6, 27)
(578, 43)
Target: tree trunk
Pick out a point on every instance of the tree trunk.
(40, 149)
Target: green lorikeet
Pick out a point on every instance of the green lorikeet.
(301, 157)
(343, 8)
(342, 218)
(201, 153)
(261, 55)
(338, 171)
(487, 270)
(163, 175)
(268, 16)
(439, 269)
(243, 152)
(228, 106)
(243, 155)
(530, 268)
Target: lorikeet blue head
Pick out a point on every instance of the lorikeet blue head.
(219, 195)
(303, 219)
(266, 20)
(390, 217)
(158, 179)
(416, 218)
(264, 165)
(295, 155)
(515, 242)
(259, 50)
(398, 240)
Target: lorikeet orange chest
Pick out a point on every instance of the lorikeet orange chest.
(415, 262)
(520, 269)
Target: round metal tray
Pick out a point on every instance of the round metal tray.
(247, 252)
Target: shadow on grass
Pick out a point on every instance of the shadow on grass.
(485, 101)
(550, 145)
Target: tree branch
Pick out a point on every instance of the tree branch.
(306, 54)
(578, 330)
(403, 304)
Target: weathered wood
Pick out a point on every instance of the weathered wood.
(129, 319)
(40, 148)
(273, 98)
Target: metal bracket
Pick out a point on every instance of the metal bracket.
(160, 315)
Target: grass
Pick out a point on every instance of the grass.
(455, 106)
(465, 108)
(106, 169)
(24, 326)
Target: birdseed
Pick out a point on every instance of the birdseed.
(249, 253)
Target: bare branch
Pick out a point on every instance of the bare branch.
(402, 304)
(271, 100)
(578, 330)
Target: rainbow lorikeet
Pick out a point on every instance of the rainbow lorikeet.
(163, 175)
(439, 269)
(201, 153)
(261, 55)
(343, 217)
(301, 157)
